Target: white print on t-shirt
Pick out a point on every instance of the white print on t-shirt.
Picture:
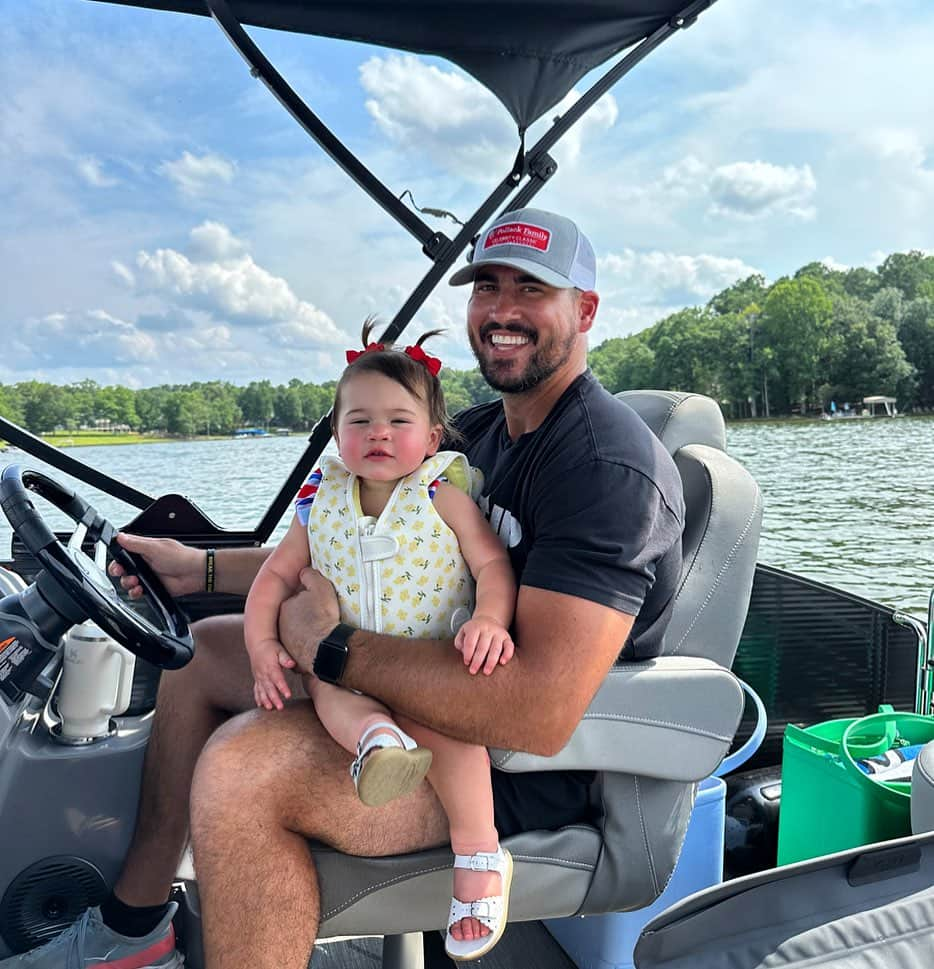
(508, 529)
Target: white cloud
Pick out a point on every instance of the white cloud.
(94, 338)
(758, 189)
(442, 114)
(213, 240)
(616, 319)
(123, 273)
(89, 168)
(684, 177)
(667, 277)
(232, 288)
(195, 175)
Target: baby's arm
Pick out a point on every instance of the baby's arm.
(275, 582)
(484, 640)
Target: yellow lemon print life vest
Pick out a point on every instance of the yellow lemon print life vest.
(402, 573)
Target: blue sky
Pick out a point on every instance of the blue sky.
(164, 220)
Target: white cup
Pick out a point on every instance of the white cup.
(96, 682)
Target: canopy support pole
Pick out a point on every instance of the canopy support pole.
(261, 68)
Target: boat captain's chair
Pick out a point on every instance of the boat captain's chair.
(653, 730)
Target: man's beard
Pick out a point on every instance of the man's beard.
(545, 361)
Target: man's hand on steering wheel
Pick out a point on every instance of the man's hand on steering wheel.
(71, 578)
(181, 567)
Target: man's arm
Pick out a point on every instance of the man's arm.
(236, 568)
(565, 646)
(182, 568)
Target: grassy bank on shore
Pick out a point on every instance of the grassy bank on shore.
(98, 439)
(101, 439)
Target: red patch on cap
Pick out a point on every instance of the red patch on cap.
(518, 234)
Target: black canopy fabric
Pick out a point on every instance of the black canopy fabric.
(529, 53)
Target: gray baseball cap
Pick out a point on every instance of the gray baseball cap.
(547, 246)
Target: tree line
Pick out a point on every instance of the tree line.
(761, 350)
(205, 408)
(819, 336)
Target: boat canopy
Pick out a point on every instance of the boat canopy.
(529, 53)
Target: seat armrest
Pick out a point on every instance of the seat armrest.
(673, 718)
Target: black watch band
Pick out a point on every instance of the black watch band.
(331, 657)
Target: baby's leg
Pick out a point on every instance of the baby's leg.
(388, 763)
(345, 714)
(460, 775)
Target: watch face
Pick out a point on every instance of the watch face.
(332, 654)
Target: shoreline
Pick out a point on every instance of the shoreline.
(65, 440)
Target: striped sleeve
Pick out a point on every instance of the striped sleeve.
(306, 495)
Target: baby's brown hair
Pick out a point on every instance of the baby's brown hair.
(410, 373)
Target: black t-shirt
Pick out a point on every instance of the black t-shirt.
(588, 504)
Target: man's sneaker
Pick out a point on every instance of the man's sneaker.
(89, 943)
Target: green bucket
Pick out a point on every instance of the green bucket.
(828, 804)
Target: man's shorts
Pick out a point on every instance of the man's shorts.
(543, 800)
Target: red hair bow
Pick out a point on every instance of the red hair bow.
(432, 363)
(353, 354)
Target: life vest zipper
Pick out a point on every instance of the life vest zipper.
(373, 592)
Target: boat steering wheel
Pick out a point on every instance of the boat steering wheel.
(76, 587)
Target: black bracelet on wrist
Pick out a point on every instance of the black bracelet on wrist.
(209, 570)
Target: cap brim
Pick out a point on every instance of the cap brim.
(466, 274)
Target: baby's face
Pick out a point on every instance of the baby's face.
(383, 432)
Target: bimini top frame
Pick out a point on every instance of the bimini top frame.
(529, 53)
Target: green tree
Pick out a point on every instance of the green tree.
(624, 363)
(83, 402)
(117, 405)
(685, 346)
(316, 401)
(456, 394)
(258, 402)
(222, 412)
(45, 406)
(186, 413)
(740, 296)
(861, 282)
(888, 303)
(151, 404)
(740, 363)
(289, 406)
(795, 327)
(911, 272)
(866, 356)
(10, 404)
(832, 280)
(917, 338)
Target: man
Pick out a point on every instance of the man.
(589, 505)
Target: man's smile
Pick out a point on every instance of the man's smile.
(505, 337)
(508, 339)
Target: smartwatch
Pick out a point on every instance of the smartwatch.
(331, 657)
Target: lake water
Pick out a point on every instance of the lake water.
(848, 502)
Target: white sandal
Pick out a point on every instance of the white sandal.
(387, 765)
(491, 911)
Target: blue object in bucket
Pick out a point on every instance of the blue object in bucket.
(608, 941)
